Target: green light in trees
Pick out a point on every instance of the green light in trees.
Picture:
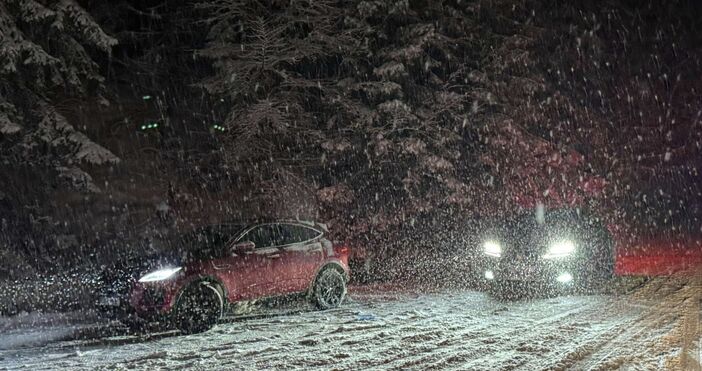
(146, 97)
(218, 127)
(149, 125)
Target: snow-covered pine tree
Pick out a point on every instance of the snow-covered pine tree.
(44, 54)
(46, 57)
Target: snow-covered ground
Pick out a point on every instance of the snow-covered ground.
(656, 326)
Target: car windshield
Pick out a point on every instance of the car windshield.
(206, 242)
(542, 216)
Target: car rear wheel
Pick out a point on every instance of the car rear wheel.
(329, 289)
(199, 308)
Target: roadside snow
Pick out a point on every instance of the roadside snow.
(387, 327)
(36, 329)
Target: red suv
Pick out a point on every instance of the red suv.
(212, 268)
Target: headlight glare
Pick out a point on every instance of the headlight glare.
(560, 249)
(492, 248)
(160, 275)
(564, 277)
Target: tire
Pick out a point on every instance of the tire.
(198, 308)
(329, 289)
(134, 324)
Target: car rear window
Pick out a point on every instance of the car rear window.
(293, 233)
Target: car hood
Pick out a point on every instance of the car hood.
(162, 259)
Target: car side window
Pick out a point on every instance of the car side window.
(269, 235)
(277, 234)
(266, 235)
(260, 236)
(293, 233)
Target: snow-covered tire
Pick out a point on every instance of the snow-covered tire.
(198, 308)
(329, 289)
(134, 324)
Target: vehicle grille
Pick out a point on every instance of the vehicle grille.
(117, 282)
(525, 243)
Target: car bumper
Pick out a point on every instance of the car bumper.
(113, 306)
(142, 299)
(558, 272)
(152, 299)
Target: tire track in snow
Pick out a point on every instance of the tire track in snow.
(643, 338)
(400, 330)
(534, 338)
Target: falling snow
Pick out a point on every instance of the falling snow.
(424, 138)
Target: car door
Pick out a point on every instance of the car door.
(266, 254)
(245, 273)
(300, 251)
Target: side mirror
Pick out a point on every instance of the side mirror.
(243, 247)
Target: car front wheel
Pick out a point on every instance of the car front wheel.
(329, 289)
(199, 308)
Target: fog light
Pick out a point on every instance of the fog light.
(489, 275)
(564, 277)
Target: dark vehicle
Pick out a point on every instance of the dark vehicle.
(558, 250)
(210, 269)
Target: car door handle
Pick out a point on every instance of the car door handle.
(273, 256)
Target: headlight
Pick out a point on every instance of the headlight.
(160, 275)
(560, 249)
(492, 248)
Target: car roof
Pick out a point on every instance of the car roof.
(252, 222)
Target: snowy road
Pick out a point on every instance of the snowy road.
(656, 326)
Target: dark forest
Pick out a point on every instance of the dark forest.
(124, 121)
